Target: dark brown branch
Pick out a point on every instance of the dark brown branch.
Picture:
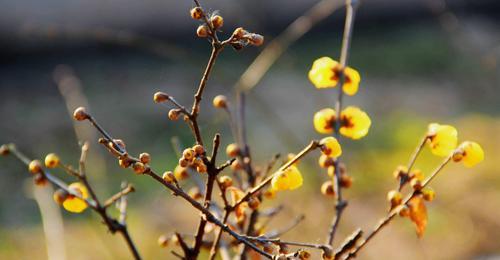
(351, 7)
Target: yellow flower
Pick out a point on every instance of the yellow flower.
(470, 153)
(443, 139)
(288, 179)
(330, 146)
(323, 120)
(325, 73)
(355, 122)
(52, 160)
(74, 204)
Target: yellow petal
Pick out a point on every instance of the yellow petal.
(322, 73)
(443, 139)
(356, 123)
(323, 120)
(295, 177)
(473, 153)
(288, 179)
(73, 204)
(352, 79)
(331, 146)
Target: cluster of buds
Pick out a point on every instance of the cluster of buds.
(193, 157)
(213, 21)
(345, 180)
(415, 177)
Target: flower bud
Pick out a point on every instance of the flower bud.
(220, 101)
(232, 150)
(239, 33)
(139, 167)
(80, 114)
(180, 173)
(198, 149)
(35, 166)
(404, 211)
(160, 97)
(4, 150)
(188, 154)
(428, 194)
(327, 188)
(52, 160)
(256, 39)
(345, 181)
(416, 184)
(40, 179)
(202, 31)
(304, 255)
(325, 161)
(195, 193)
(225, 182)
(217, 21)
(60, 196)
(395, 198)
(253, 203)
(145, 158)
(183, 162)
(169, 177)
(236, 165)
(124, 163)
(119, 142)
(163, 241)
(173, 114)
(196, 13)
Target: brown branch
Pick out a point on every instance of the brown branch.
(351, 7)
(112, 224)
(386, 220)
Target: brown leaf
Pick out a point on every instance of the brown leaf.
(418, 214)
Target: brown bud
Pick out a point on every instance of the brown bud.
(183, 162)
(327, 254)
(303, 255)
(345, 181)
(180, 173)
(400, 171)
(35, 166)
(395, 198)
(225, 182)
(256, 39)
(328, 189)
(325, 161)
(60, 196)
(139, 167)
(52, 160)
(198, 149)
(197, 161)
(239, 33)
(145, 158)
(169, 177)
(188, 154)
(268, 248)
(232, 150)
(283, 249)
(163, 241)
(196, 13)
(253, 203)
(202, 31)
(220, 101)
(416, 184)
(173, 114)
(217, 21)
(124, 163)
(40, 179)
(4, 149)
(160, 97)
(80, 114)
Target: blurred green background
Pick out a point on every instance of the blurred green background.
(420, 61)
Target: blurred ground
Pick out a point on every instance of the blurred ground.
(417, 68)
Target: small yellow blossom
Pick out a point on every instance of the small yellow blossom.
(442, 139)
(470, 153)
(355, 123)
(330, 147)
(323, 120)
(74, 204)
(325, 73)
(288, 179)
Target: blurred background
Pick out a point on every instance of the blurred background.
(420, 61)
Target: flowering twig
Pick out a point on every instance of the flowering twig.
(386, 220)
(351, 7)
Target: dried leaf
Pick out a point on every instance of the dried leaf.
(418, 214)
